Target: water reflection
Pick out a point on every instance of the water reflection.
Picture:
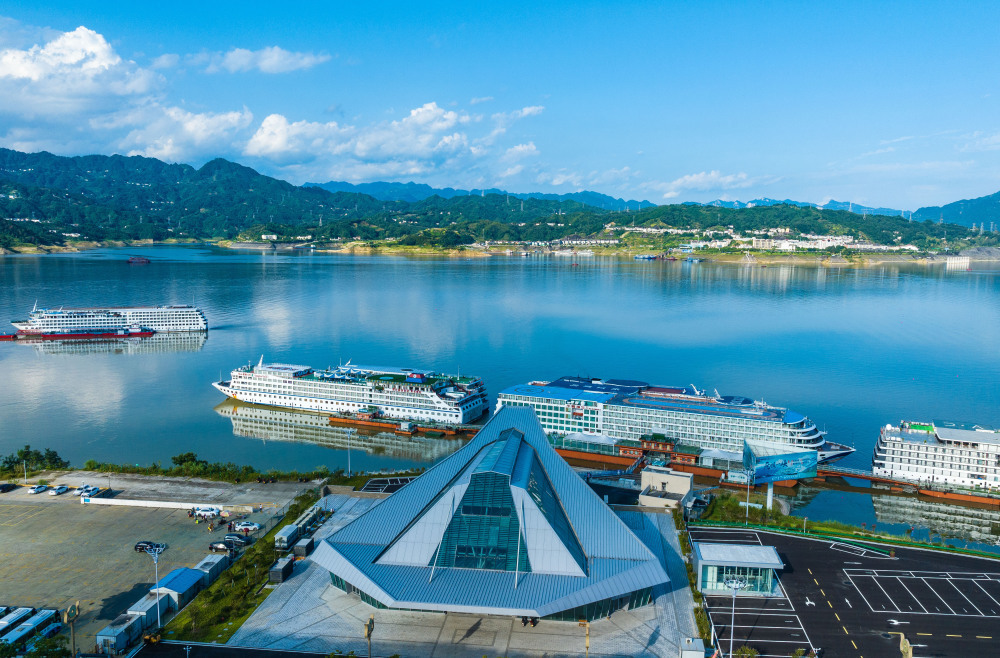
(945, 519)
(155, 344)
(272, 424)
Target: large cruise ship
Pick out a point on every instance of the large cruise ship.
(103, 320)
(940, 451)
(390, 392)
(628, 410)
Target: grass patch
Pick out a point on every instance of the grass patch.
(216, 613)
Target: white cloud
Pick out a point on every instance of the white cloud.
(520, 151)
(480, 99)
(281, 140)
(73, 72)
(166, 61)
(503, 120)
(266, 60)
(512, 171)
(561, 177)
(174, 134)
(703, 182)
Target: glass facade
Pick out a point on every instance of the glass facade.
(484, 532)
(604, 608)
(545, 498)
(758, 580)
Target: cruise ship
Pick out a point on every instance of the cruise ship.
(942, 451)
(390, 392)
(161, 319)
(628, 410)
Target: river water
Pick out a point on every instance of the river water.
(850, 348)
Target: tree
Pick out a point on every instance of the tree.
(51, 647)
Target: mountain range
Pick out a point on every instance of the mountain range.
(49, 199)
(829, 205)
(411, 192)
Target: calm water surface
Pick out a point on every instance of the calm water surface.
(851, 348)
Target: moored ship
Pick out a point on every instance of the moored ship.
(942, 451)
(627, 411)
(159, 319)
(390, 392)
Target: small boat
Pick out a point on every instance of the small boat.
(138, 260)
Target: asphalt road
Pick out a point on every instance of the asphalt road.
(849, 601)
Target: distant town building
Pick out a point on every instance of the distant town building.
(269, 236)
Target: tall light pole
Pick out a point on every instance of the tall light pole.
(735, 583)
(154, 552)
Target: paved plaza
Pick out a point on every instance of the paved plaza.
(308, 613)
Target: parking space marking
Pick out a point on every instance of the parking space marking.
(14, 515)
(985, 592)
(957, 594)
(911, 593)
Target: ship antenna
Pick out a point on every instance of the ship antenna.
(261, 363)
(35, 307)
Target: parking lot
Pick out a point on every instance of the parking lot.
(849, 600)
(55, 550)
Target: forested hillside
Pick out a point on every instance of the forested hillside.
(47, 199)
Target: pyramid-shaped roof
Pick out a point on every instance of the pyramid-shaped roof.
(502, 526)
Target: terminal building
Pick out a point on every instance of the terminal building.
(751, 568)
(502, 527)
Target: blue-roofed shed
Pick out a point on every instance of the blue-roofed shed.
(180, 586)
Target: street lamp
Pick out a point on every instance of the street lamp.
(154, 552)
(735, 583)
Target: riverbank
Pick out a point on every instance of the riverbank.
(86, 245)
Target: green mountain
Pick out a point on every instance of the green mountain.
(47, 199)
(984, 210)
(418, 192)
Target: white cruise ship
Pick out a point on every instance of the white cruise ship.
(628, 410)
(942, 451)
(160, 319)
(390, 392)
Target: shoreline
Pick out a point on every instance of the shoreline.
(761, 260)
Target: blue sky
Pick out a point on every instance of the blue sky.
(891, 104)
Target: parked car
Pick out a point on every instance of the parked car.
(238, 540)
(146, 546)
(220, 547)
(82, 489)
(247, 525)
(7, 486)
(38, 488)
(206, 512)
(61, 489)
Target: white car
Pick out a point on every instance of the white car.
(61, 489)
(206, 512)
(246, 525)
(38, 488)
(79, 491)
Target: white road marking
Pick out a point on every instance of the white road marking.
(952, 583)
(911, 593)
